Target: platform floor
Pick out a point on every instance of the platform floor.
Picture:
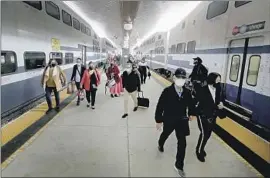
(80, 141)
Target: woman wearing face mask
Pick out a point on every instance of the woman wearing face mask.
(90, 81)
(113, 73)
(77, 74)
(131, 85)
(171, 113)
(53, 79)
(209, 107)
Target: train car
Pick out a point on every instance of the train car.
(33, 32)
(233, 39)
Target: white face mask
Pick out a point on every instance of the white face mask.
(128, 66)
(78, 62)
(179, 82)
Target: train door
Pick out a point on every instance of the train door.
(244, 61)
(84, 55)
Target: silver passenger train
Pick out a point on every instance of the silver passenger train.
(33, 32)
(233, 39)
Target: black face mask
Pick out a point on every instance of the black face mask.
(195, 62)
(216, 85)
(90, 68)
(53, 65)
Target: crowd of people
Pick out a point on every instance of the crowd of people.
(197, 96)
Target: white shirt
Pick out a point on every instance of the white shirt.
(78, 76)
(213, 92)
(142, 63)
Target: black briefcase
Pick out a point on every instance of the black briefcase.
(142, 101)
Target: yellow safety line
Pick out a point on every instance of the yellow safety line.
(29, 142)
(14, 128)
(166, 82)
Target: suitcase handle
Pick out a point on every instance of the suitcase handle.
(139, 94)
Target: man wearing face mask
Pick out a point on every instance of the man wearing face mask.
(131, 85)
(199, 73)
(143, 70)
(171, 112)
(209, 107)
(77, 73)
(53, 79)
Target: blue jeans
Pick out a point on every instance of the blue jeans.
(48, 91)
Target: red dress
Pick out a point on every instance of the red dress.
(115, 72)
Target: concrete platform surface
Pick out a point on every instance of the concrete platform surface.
(83, 142)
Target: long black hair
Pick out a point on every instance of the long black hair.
(211, 78)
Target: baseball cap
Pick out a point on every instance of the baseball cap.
(180, 73)
(197, 59)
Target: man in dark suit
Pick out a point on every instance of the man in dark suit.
(77, 73)
(209, 107)
(171, 112)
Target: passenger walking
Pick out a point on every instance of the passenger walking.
(143, 70)
(131, 85)
(113, 72)
(77, 74)
(90, 81)
(199, 74)
(209, 107)
(171, 112)
(53, 79)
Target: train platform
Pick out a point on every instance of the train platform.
(83, 142)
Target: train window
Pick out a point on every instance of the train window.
(83, 28)
(191, 47)
(173, 50)
(240, 3)
(253, 70)
(69, 58)
(8, 62)
(35, 4)
(57, 56)
(76, 24)
(216, 8)
(159, 37)
(52, 9)
(235, 66)
(88, 31)
(183, 25)
(34, 60)
(66, 18)
(180, 49)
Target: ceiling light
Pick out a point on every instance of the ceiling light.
(128, 26)
(170, 19)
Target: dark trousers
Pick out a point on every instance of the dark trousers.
(206, 129)
(181, 143)
(143, 76)
(92, 94)
(48, 91)
(78, 88)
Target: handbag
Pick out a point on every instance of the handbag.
(111, 83)
(71, 88)
(142, 101)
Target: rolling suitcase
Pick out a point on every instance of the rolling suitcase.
(142, 101)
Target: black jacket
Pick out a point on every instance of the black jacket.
(199, 73)
(131, 82)
(206, 105)
(171, 108)
(75, 68)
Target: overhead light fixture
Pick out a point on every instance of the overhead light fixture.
(128, 26)
(94, 24)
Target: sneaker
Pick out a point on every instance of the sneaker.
(204, 153)
(135, 109)
(78, 102)
(49, 110)
(93, 107)
(180, 172)
(161, 148)
(112, 95)
(115, 95)
(125, 115)
(88, 105)
(200, 156)
(57, 108)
